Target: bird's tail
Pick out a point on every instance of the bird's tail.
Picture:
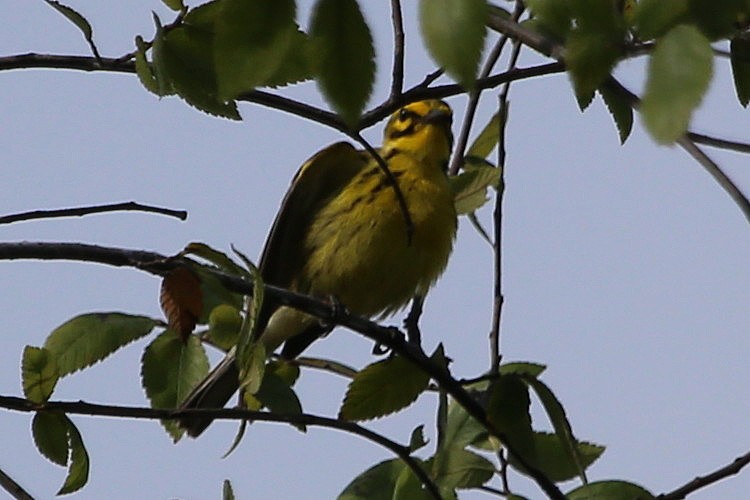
(213, 392)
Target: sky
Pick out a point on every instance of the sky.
(625, 268)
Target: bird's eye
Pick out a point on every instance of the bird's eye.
(403, 115)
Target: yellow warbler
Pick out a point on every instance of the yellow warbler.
(341, 233)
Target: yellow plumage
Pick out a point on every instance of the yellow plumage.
(341, 233)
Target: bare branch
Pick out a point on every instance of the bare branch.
(707, 140)
(702, 481)
(94, 209)
(327, 365)
(13, 488)
(397, 74)
(83, 408)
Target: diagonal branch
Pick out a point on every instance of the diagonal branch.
(13, 488)
(334, 315)
(702, 481)
(397, 73)
(83, 408)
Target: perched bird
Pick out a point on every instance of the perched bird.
(341, 233)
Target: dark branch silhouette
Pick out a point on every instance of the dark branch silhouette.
(94, 209)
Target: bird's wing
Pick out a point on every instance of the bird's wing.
(320, 179)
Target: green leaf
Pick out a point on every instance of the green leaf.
(38, 374)
(215, 257)
(89, 338)
(621, 111)
(214, 293)
(277, 396)
(552, 16)
(50, 432)
(246, 343)
(78, 469)
(590, 57)
(653, 18)
(251, 41)
(143, 69)
(553, 458)
(224, 325)
(227, 493)
(470, 186)
(679, 72)
(252, 368)
(453, 32)
(610, 490)
(417, 440)
(460, 469)
(174, 4)
(76, 18)
(487, 139)
(560, 422)
(508, 412)
(382, 388)
(296, 66)
(461, 429)
(740, 50)
(376, 483)
(409, 487)
(522, 368)
(718, 18)
(344, 56)
(184, 60)
(169, 371)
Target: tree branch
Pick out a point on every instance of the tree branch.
(83, 408)
(95, 209)
(387, 336)
(397, 73)
(702, 481)
(13, 488)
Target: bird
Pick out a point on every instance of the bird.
(341, 234)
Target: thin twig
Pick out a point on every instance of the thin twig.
(13, 488)
(94, 209)
(397, 74)
(391, 181)
(411, 322)
(707, 140)
(702, 481)
(471, 107)
(327, 365)
(388, 336)
(83, 408)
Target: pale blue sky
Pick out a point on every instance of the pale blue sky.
(625, 269)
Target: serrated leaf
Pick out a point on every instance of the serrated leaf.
(590, 57)
(383, 388)
(522, 368)
(560, 423)
(344, 56)
(215, 257)
(50, 432)
(653, 18)
(39, 374)
(184, 60)
(460, 469)
(170, 368)
(247, 344)
(470, 186)
(376, 483)
(740, 55)
(297, 64)
(89, 338)
(508, 412)
(461, 429)
(553, 459)
(181, 300)
(621, 111)
(487, 139)
(454, 32)
(251, 41)
(679, 72)
(718, 18)
(610, 490)
(78, 468)
(552, 16)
